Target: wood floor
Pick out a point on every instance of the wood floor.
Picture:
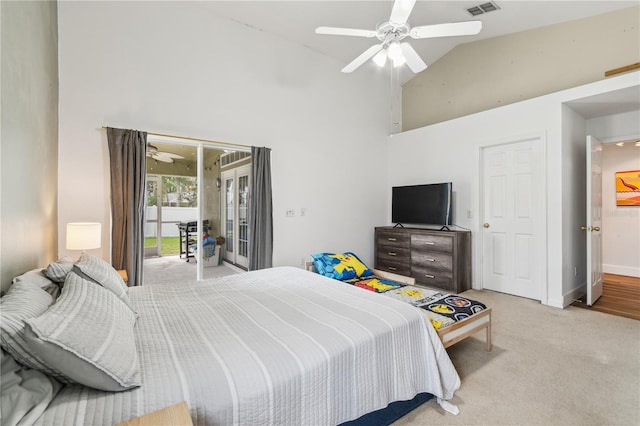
(620, 296)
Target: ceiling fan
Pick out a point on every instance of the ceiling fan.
(165, 157)
(393, 31)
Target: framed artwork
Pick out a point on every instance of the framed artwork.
(628, 188)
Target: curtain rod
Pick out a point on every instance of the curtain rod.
(194, 139)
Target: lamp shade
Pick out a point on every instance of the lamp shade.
(83, 235)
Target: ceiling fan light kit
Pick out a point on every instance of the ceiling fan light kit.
(391, 34)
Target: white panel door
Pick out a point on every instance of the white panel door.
(594, 220)
(235, 203)
(513, 258)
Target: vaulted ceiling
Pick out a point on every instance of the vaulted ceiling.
(297, 20)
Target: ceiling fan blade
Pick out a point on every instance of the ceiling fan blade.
(162, 159)
(414, 61)
(345, 32)
(446, 30)
(364, 57)
(401, 11)
(169, 155)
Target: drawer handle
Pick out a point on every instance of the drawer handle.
(392, 253)
(429, 243)
(391, 268)
(391, 239)
(429, 276)
(430, 260)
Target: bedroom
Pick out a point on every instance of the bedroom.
(215, 102)
(283, 105)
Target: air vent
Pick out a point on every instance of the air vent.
(483, 8)
(233, 157)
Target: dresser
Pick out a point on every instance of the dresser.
(439, 259)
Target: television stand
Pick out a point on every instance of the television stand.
(445, 228)
(398, 225)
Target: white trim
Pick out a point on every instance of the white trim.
(630, 271)
(573, 295)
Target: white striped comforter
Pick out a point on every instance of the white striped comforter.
(280, 346)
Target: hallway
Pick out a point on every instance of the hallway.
(620, 296)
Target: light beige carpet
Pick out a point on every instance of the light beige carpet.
(548, 366)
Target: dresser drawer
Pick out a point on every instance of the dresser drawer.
(393, 238)
(433, 278)
(394, 267)
(442, 243)
(394, 254)
(433, 261)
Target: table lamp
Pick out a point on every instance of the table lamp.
(83, 235)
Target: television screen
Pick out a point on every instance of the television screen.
(422, 204)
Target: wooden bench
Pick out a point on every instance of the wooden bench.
(450, 334)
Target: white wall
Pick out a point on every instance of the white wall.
(29, 231)
(449, 151)
(172, 67)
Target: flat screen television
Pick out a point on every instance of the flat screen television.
(429, 204)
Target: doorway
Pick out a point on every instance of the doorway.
(184, 192)
(513, 237)
(620, 228)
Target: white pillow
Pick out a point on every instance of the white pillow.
(23, 301)
(95, 269)
(57, 271)
(37, 277)
(88, 336)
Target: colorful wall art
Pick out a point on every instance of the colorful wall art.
(628, 188)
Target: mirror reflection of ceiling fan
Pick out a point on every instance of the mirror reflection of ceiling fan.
(392, 32)
(165, 157)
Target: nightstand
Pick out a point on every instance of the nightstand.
(124, 276)
(173, 415)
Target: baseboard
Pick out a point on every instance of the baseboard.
(554, 303)
(629, 271)
(573, 295)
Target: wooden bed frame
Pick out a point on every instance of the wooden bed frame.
(453, 333)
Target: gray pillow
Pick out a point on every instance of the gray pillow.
(95, 269)
(57, 271)
(37, 277)
(26, 392)
(88, 336)
(23, 301)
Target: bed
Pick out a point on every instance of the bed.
(454, 317)
(281, 346)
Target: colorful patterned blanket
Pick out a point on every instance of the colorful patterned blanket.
(442, 309)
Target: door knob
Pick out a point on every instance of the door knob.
(486, 225)
(583, 228)
(596, 228)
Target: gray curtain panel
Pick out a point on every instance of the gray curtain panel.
(260, 210)
(127, 153)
